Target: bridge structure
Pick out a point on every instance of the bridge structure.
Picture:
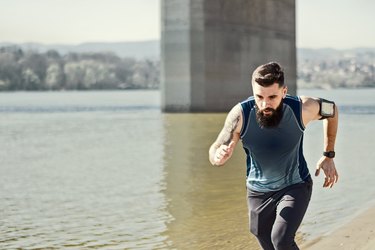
(209, 49)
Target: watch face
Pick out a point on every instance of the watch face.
(329, 154)
(328, 109)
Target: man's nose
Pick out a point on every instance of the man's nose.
(264, 104)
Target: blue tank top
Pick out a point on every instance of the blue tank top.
(274, 155)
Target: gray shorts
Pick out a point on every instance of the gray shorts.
(275, 216)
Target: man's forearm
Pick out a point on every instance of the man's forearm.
(330, 131)
(221, 150)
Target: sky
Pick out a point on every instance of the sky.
(339, 24)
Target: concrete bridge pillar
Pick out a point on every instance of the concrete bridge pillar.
(209, 49)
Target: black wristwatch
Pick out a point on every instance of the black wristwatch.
(329, 154)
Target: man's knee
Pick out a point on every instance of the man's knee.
(264, 239)
(259, 231)
(283, 241)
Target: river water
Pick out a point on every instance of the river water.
(108, 170)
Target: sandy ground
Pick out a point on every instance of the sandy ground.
(359, 234)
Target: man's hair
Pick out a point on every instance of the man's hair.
(268, 74)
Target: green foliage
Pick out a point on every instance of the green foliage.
(31, 70)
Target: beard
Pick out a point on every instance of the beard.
(270, 120)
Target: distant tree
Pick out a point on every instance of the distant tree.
(32, 70)
(124, 72)
(31, 80)
(146, 74)
(55, 77)
(105, 57)
(10, 71)
(74, 75)
(53, 55)
(37, 63)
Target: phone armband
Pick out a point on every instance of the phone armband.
(326, 109)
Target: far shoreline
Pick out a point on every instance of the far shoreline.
(304, 88)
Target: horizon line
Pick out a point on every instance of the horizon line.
(153, 40)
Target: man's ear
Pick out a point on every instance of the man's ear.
(285, 91)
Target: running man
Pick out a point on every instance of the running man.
(271, 126)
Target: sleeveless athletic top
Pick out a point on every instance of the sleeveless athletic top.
(274, 155)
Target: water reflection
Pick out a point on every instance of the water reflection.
(208, 204)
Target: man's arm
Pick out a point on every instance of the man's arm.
(222, 149)
(310, 112)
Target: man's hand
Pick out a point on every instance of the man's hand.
(329, 169)
(223, 153)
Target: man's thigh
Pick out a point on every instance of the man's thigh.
(262, 212)
(292, 207)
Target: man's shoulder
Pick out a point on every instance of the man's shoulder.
(248, 103)
(292, 98)
(249, 99)
(295, 102)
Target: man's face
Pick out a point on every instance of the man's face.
(269, 104)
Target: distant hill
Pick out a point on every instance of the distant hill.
(151, 49)
(329, 53)
(142, 49)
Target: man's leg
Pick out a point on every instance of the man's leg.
(262, 214)
(290, 212)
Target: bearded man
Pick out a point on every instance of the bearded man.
(271, 126)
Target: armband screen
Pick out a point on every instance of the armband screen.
(327, 108)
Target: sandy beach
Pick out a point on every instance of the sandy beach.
(358, 234)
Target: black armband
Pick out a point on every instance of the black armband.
(326, 109)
